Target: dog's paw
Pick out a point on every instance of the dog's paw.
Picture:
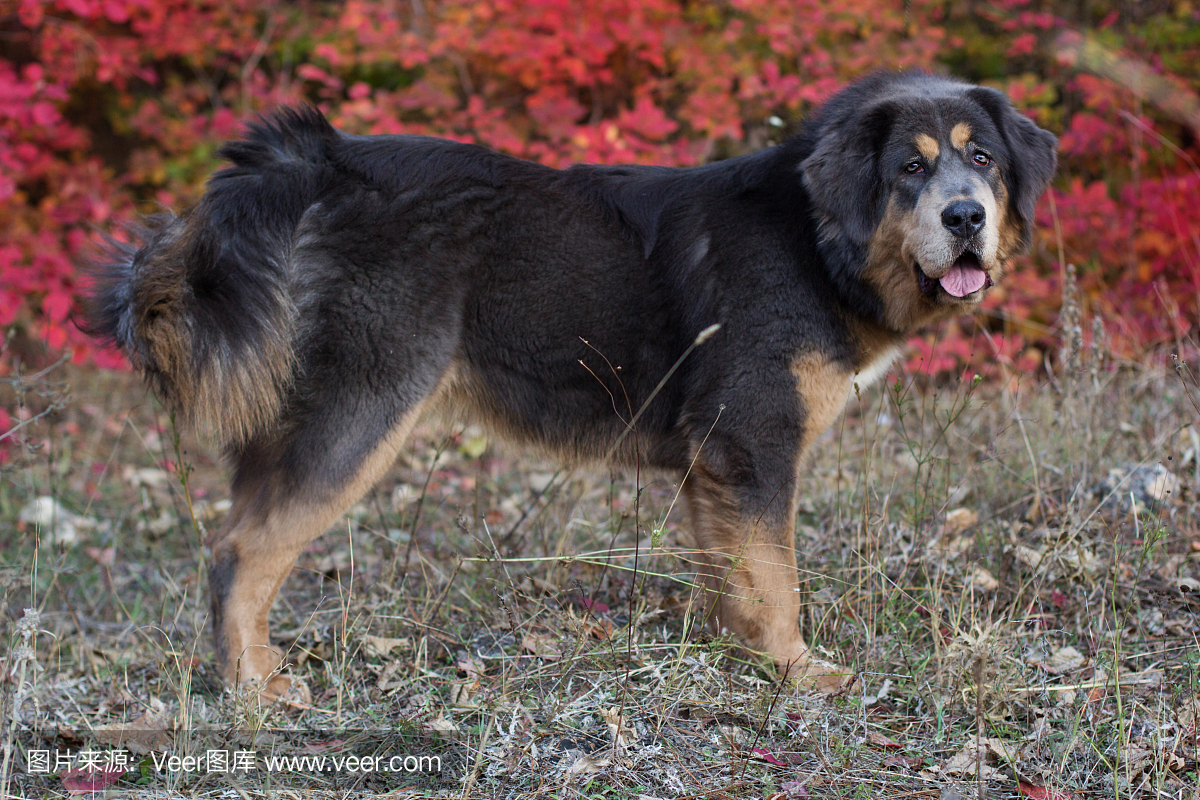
(290, 691)
(819, 676)
(287, 692)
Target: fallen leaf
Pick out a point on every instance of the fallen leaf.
(149, 477)
(85, 780)
(595, 606)
(1001, 749)
(103, 556)
(766, 756)
(1137, 758)
(462, 693)
(1028, 556)
(881, 740)
(1160, 484)
(984, 581)
(1041, 792)
(977, 754)
(442, 726)
(542, 645)
(1189, 586)
(1064, 659)
(471, 665)
(960, 519)
(473, 446)
(907, 762)
(599, 628)
(58, 526)
(381, 646)
(618, 729)
(588, 764)
(140, 736)
(540, 481)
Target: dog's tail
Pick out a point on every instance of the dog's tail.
(205, 307)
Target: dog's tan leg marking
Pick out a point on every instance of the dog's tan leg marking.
(749, 583)
(824, 388)
(256, 549)
(747, 566)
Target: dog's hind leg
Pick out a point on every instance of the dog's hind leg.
(284, 496)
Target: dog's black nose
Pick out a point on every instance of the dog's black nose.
(963, 218)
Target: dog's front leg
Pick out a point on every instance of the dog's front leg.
(748, 574)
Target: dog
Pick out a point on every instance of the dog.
(710, 322)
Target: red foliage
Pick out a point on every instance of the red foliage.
(109, 108)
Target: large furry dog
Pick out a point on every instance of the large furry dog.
(328, 288)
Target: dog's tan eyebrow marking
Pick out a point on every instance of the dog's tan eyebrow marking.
(960, 134)
(927, 145)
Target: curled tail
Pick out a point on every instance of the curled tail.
(205, 306)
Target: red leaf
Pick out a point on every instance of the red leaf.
(79, 781)
(767, 757)
(1041, 792)
(56, 306)
(116, 10)
(881, 740)
(595, 606)
(44, 113)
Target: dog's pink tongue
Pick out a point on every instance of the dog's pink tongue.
(962, 279)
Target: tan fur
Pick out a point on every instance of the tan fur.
(265, 542)
(927, 146)
(232, 395)
(824, 387)
(872, 344)
(892, 277)
(238, 402)
(960, 135)
(1010, 230)
(748, 578)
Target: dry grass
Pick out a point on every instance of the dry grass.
(1023, 622)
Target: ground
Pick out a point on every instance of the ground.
(1012, 566)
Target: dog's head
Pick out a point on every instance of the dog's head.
(924, 188)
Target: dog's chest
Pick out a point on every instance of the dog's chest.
(825, 386)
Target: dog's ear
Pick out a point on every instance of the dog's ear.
(841, 173)
(1032, 152)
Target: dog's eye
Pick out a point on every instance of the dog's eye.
(981, 159)
(914, 167)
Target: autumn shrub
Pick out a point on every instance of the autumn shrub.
(111, 108)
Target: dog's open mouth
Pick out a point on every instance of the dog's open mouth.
(964, 277)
